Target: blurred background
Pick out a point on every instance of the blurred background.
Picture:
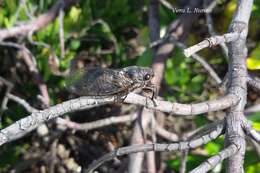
(113, 34)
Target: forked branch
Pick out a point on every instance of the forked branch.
(179, 146)
(212, 41)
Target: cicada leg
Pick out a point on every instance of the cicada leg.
(121, 96)
(152, 88)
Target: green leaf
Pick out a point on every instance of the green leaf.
(212, 148)
(75, 44)
(253, 61)
(256, 125)
(145, 59)
(74, 13)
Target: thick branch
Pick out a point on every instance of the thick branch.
(238, 84)
(183, 109)
(27, 124)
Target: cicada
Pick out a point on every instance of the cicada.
(98, 81)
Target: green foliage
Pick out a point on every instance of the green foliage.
(180, 77)
(253, 61)
(115, 33)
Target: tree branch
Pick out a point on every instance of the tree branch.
(27, 124)
(22, 102)
(212, 31)
(250, 131)
(200, 60)
(253, 82)
(37, 24)
(214, 160)
(212, 41)
(180, 146)
(184, 109)
(97, 124)
(238, 84)
(30, 61)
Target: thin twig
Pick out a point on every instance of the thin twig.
(252, 109)
(9, 86)
(22, 102)
(167, 4)
(183, 160)
(96, 124)
(200, 60)
(30, 61)
(254, 82)
(166, 134)
(211, 27)
(61, 33)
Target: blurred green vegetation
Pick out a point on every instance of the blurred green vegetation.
(115, 33)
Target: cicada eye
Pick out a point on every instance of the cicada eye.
(147, 77)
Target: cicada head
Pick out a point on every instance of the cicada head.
(139, 74)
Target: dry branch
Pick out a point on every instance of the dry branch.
(250, 131)
(97, 124)
(214, 160)
(255, 83)
(37, 23)
(212, 41)
(179, 146)
(238, 84)
(27, 124)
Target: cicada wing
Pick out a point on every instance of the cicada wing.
(73, 79)
(99, 82)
